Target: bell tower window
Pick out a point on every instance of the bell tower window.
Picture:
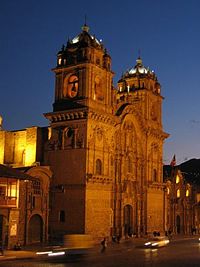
(59, 61)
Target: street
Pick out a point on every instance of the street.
(178, 253)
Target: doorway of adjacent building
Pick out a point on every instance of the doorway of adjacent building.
(3, 231)
(178, 224)
(1, 228)
(35, 230)
(128, 220)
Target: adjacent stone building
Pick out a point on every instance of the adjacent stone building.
(180, 200)
(24, 188)
(183, 197)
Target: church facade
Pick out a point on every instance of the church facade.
(105, 145)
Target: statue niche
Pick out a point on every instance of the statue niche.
(72, 138)
(55, 141)
(129, 189)
(68, 139)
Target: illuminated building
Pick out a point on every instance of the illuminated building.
(179, 202)
(24, 192)
(106, 145)
(183, 197)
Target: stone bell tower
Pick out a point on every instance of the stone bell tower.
(78, 149)
(139, 103)
(83, 74)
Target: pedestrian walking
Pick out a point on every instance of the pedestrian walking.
(1, 248)
(118, 239)
(104, 245)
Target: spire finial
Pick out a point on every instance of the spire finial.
(139, 53)
(85, 28)
(139, 60)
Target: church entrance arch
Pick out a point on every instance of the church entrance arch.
(128, 220)
(35, 230)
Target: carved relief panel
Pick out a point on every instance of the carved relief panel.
(99, 145)
(71, 136)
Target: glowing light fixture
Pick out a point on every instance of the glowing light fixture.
(60, 253)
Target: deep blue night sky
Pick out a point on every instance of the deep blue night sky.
(166, 32)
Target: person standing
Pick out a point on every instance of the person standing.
(104, 245)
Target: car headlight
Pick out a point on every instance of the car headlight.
(60, 253)
(43, 252)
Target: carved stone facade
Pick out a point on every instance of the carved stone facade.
(105, 145)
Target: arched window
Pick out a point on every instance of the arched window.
(59, 61)
(177, 179)
(154, 175)
(168, 190)
(187, 193)
(98, 167)
(178, 193)
(36, 186)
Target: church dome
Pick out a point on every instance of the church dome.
(84, 47)
(85, 38)
(139, 69)
(138, 77)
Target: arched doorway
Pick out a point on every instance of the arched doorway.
(3, 230)
(35, 230)
(178, 224)
(128, 220)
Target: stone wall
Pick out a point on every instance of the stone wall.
(99, 215)
(155, 210)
